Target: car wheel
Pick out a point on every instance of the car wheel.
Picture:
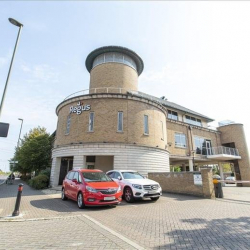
(63, 196)
(80, 201)
(154, 198)
(128, 195)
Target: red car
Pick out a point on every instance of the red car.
(91, 187)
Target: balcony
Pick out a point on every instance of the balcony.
(222, 153)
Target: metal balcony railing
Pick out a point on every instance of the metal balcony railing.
(102, 90)
(218, 151)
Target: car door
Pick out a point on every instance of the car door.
(75, 186)
(68, 185)
(118, 179)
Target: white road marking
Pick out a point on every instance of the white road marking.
(133, 244)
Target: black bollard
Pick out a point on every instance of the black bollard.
(18, 200)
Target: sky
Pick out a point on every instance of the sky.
(195, 53)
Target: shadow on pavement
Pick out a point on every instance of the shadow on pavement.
(58, 205)
(224, 233)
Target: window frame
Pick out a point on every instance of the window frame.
(145, 125)
(193, 120)
(118, 122)
(68, 123)
(162, 131)
(180, 145)
(93, 121)
(170, 115)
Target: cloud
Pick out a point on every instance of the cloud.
(42, 73)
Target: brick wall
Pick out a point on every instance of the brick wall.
(235, 133)
(115, 75)
(183, 183)
(105, 122)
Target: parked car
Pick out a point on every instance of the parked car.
(135, 186)
(216, 176)
(230, 180)
(91, 187)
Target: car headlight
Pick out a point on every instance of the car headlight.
(137, 186)
(119, 189)
(90, 189)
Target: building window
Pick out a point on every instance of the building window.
(172, 115)
(202, 146)
(180, 140)
(91, 121)
(193, 121)
(114, 57)
(146, 131)
(120, 122)
(68, 125)
(162, 131)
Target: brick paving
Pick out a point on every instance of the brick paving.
(173, 222)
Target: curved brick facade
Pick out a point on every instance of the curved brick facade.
(106, 108)
(113, 76)
(234, 133)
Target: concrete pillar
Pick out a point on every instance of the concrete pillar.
(55, 171)
(207, 183)
(191, 166)
(221, 173)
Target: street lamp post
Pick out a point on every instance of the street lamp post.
(16, 23)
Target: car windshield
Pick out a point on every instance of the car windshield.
(96, 177)
(132, 175)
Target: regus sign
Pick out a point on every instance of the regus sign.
(79, 108)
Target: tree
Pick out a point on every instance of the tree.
(34, 153)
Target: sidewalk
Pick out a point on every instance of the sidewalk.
(61, 225)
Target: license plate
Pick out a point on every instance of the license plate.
(109, 198)
(152, 192)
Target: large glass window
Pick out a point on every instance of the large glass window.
(91, 121)
(146, 130)
(193, 120)
(200, 145)
(120, 122)
(114, 57)
(68, 125)
(180, 140)
(172, 115)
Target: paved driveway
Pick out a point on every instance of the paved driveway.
(173, 222)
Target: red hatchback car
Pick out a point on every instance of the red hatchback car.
(91, 187)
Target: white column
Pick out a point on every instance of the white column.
(221, 173)
(191, 166)
(55, 171)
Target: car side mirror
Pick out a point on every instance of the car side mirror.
(119, 178)
(74, 180)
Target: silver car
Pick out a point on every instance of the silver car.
(135, 186)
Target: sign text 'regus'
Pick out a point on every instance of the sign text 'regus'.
(79, 108)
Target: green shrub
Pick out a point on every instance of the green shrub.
(45, 172)
(25, 177)
(39, 182)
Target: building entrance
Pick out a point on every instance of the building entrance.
(66, 166)
(104, 163)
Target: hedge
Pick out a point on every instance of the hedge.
(39, 182)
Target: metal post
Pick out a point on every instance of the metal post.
(18, 200)
(7, 80)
